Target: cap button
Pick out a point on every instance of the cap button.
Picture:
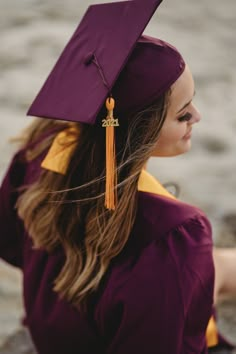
(88, 58)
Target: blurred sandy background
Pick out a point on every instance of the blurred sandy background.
(33, 34)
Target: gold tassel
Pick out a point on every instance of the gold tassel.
(111, 171)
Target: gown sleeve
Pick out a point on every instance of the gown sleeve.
(11, 228)
(161, 302)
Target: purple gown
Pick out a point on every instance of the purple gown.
(156, 297)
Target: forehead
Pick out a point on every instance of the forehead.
(182, 90)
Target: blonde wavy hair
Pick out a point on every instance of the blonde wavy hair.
(68, 211)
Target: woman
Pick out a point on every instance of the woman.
(135, 275)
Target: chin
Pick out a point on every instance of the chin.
(182, 149)
(179, 149)
(187, 146)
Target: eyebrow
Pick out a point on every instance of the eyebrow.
(186, 105)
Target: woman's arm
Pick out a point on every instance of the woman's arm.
(225, 269)
(161, 301)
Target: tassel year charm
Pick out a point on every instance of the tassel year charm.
(111, 173)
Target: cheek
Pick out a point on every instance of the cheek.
(169, 140)
(171, 135)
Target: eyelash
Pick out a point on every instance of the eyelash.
(185, 118)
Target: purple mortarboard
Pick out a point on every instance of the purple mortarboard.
(106, 57)
(88, 68)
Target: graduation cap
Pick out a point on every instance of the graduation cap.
(107, 56)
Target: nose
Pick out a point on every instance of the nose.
(196, 115)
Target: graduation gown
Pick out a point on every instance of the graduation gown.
(156, 296)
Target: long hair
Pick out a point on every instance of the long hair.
(68, 211)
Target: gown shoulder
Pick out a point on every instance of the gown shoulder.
(157, 285)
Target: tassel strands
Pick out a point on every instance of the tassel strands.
(111, 172)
